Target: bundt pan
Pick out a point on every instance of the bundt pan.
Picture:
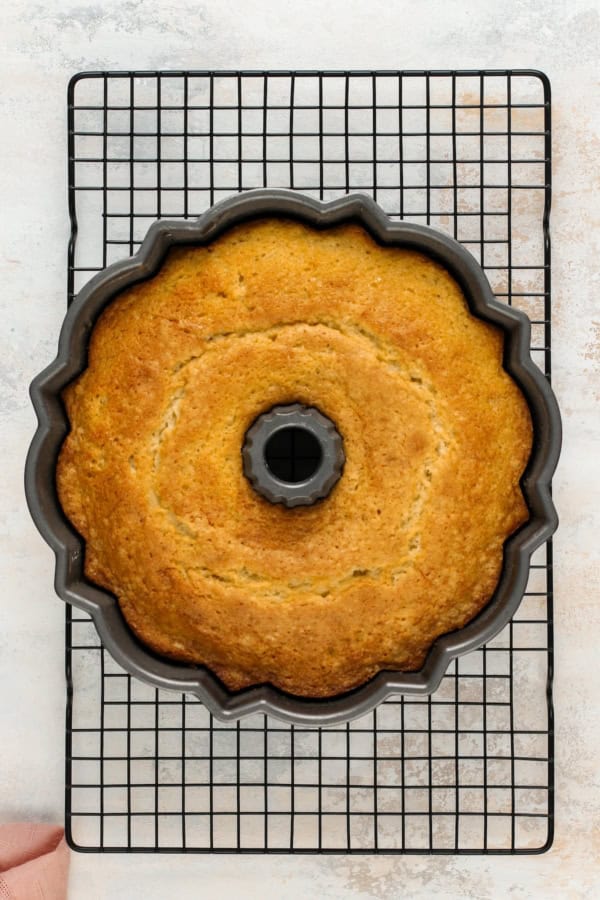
(68, 546)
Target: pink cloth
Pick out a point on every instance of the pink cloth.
(34, 862)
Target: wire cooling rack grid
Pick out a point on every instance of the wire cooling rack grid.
(470, 769)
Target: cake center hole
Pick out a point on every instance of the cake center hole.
(293, 454)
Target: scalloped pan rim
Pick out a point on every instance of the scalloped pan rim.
(68, 546)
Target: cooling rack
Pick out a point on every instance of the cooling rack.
(469, 769)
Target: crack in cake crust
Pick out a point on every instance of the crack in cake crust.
(282, 589)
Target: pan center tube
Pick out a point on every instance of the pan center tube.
(293, 455)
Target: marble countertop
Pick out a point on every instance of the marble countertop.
(42, 46)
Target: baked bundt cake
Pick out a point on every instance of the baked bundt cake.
(408, 544)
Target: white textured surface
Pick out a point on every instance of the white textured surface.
(42, 46)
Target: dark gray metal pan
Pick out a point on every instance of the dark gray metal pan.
(70, 582)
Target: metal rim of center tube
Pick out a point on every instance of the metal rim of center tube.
(328, 472)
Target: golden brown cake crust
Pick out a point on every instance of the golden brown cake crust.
(408, 546)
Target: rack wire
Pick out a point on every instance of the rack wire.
(469, 769)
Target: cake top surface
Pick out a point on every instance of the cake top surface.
(407, 546)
